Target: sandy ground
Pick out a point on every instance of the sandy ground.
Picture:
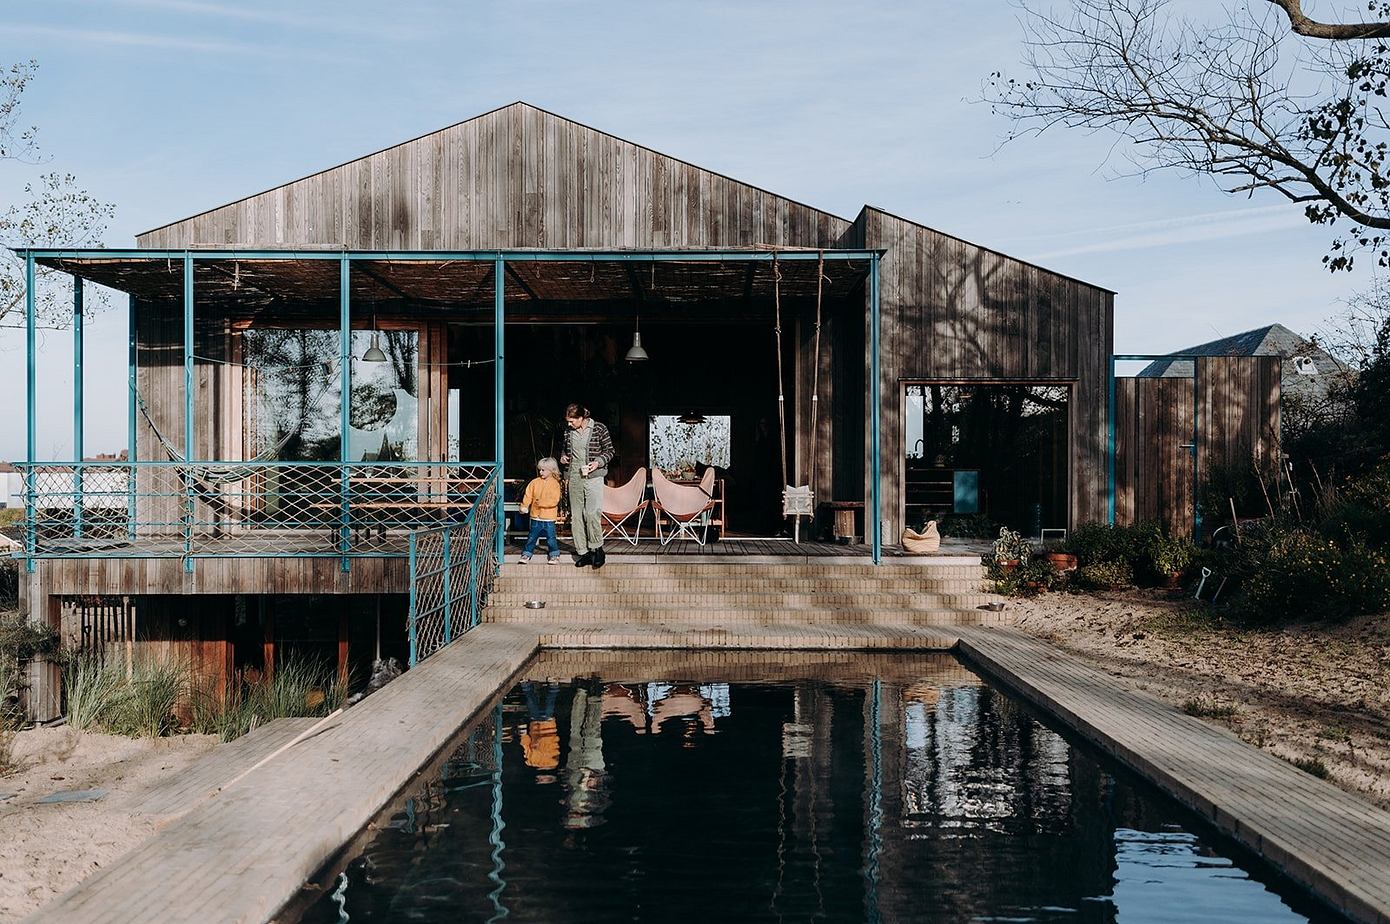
(47, 849)
(1315, 691)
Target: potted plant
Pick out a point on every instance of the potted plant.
(1011, 550)
(1061, 561)
(1169, 557)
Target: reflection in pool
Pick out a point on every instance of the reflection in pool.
(818, 788)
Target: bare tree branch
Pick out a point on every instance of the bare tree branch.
(1238, 100)
(1337, 32)
(55, 212)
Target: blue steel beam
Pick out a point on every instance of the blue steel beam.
(77, 452)
(499, 337)
(344, 404)
(452, 256)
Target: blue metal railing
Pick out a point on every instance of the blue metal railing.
(452, 568)
(242, 509)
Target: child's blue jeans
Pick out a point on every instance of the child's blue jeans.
(541, 528)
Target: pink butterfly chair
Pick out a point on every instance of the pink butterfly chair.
(684, 504)
(619, 505)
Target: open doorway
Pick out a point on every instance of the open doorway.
(996, 453)
(720, 374)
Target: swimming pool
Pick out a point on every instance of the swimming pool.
(677, 786)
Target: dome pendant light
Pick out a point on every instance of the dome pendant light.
(635, 353)
(374, 353)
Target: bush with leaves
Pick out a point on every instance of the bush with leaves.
(1302, 574)
(1105, 575)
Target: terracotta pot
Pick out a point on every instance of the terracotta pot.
(1173, 581)
(1062, 561)
(1009, 564)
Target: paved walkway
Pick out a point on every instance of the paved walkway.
(241, 855)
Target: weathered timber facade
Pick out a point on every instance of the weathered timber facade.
(520, 177)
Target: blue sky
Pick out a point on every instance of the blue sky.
(168, 107)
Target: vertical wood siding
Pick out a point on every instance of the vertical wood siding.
(953, 311)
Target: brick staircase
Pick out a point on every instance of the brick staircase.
(765, 593)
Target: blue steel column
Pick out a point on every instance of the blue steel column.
(30, 407)
(1110, 449)
(875, 399)
(499, 292)
(188, 409)
(131, 454)
(344, 406)
(77, 453)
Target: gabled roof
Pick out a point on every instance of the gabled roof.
(504, 160)
(1270, 340)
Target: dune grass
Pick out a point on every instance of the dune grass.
(298, 688)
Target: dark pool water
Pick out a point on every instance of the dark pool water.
(911, 791)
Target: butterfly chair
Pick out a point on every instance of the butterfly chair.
(684, 504)
(620, 504)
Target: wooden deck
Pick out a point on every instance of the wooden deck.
(1332, 843)
(245, 853)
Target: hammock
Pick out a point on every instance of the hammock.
(216, 476)
(797, 501)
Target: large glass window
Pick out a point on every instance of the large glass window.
(292, 395)
(995, 453)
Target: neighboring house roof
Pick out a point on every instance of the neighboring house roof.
(1270, 340)
(7, 467)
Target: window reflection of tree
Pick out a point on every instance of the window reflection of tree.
(975, 760)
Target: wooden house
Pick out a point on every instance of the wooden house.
(317, 371)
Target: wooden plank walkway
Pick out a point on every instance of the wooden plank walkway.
(1331, 842)
(169, 799)
(240, 856)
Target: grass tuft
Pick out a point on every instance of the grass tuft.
(1312, 765)
(1204, 707)
(298, 688)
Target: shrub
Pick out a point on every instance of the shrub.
(1105, 575)
(1359, 509)
(22, 640)
(1096, 543)
(1302, 574)
(1164, 555)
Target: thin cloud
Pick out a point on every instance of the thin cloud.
(118, 39)
(1187, 229)
(332, 21)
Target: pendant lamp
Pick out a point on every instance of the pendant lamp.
(374, 353)
(635, 353)
(691, 419)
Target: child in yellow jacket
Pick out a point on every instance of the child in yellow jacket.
(542, 502)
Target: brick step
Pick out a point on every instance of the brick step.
(545, 582)
(837, 602)
(740, 616)
(618, 569)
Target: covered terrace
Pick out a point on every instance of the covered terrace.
(377, 443)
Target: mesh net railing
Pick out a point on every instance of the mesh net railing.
(451, 572)
(242, 509)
